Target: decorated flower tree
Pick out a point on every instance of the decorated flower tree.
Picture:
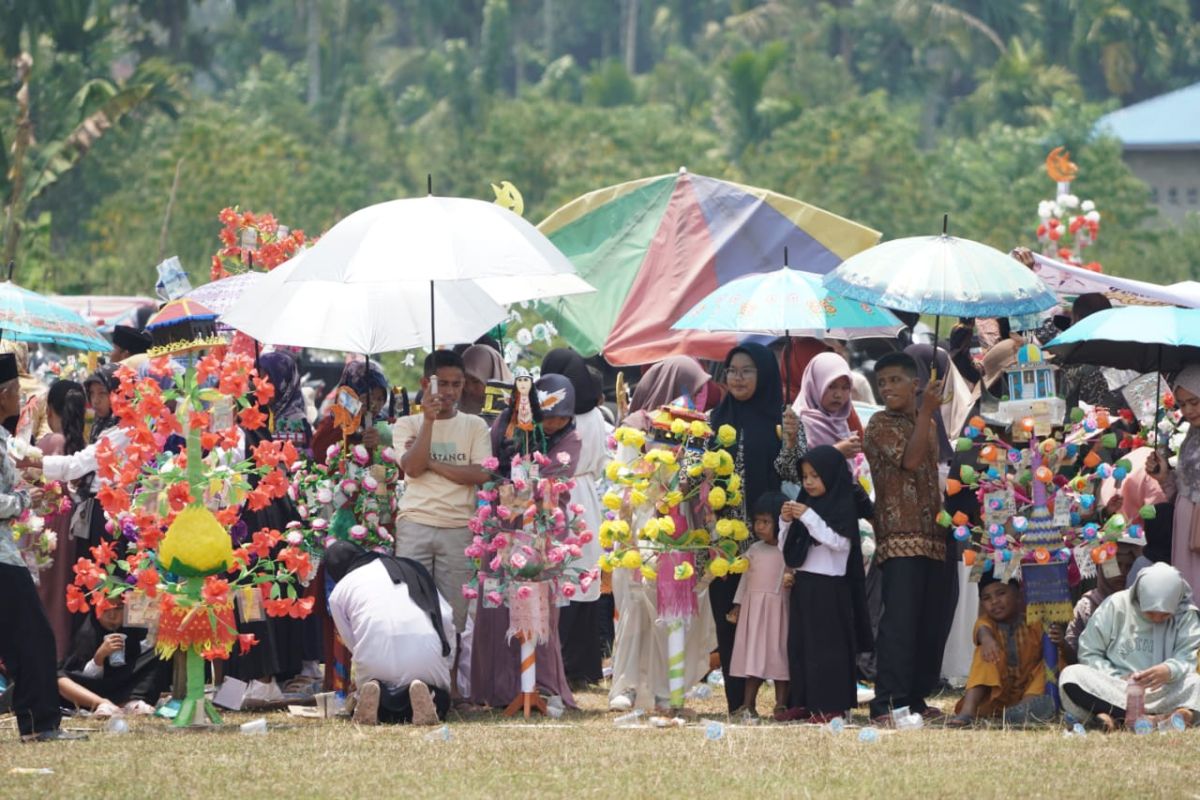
(670, 518)
(351, 497)
(171, 495)
(1038, 509)
(527, 546)
(249, 239)
(1066, 225)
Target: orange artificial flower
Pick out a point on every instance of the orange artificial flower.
(76, 601)
(252, 419)
(198, 420)
(263, 542)
(214, 653)
(215, 591)
(101, 603)
(296, 560)
(264, 392)
(147, 581)
(278, 608)
(104, 553)
(241, 560)
(179, 496)
(87, 574)
(246, 641)
(301, 608)
(258, 499)
(268, 453)
(290, 454)
(209, 440)
(227, 516)
(275, 483)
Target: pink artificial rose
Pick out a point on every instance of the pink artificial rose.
(474, 551)
(519, 484)
(474, 525)
(295, 538)
(585, 537)
(358, 533)
(541, 459)
(331, 452)
(385, 535)
(523, 592)
(554, 555)
(518, 561)
(585, 580)
(491, 463)
(568, 590)
(577, 509)
(494, 564)
(495, 598)
(500, 540)
(389, 455)
(320, 524)
(564, 458)
(362, 456)
(503, 512)
(369, 483)
(349, 487)
(292, 494)
(483, 513)
(294, 525)
(302, 511)
(324, 495)
(470, 593)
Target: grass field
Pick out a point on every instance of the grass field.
(585, 755)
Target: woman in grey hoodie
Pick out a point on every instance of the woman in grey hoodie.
(1148, 634)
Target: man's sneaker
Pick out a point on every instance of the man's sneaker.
(423, 710)
(366, 710)
(623, 701)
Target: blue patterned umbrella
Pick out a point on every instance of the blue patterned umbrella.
(27, 316)
(787, 302)
(941, 275)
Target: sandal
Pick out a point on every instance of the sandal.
(960, 721)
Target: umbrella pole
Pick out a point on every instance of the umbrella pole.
(432, 326)
(937, 324)
(787, 358)
(1157, 396)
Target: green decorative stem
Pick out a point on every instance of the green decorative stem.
(195, 707)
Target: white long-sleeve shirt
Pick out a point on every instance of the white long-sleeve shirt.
(829, 551)
(76, 465)
(390, 638)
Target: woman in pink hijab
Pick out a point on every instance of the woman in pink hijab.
(823, 413)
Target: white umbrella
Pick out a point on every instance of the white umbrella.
(359, 317)
(433, 240)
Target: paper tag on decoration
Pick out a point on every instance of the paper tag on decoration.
(490, 585)
(1083, 561)
(1110, 568)
(249, 604)
(379, 473)
(1140, 395)
(1062, 509)
(221, 416)
(139, 610)
(999, 507)
(975, 575)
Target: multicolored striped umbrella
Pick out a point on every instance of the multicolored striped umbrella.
(655, 247)
(27, 316)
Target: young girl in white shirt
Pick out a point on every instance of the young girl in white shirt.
(828, 623)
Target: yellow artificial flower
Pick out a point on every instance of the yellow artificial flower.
(726, 463)
(612, 501)
(699, 537)
(650, 529)
(648, 573)
(699, 429)
(694, 471)
(637, 497)
(631, 437)
(622, 531)
(726, 435)
(740, 565)
(724, 528)
(733, 498)
(716, 498)
(666, 526)
(606, 562)
(613, 470)
(605, 537)
(734, 483)
(673, 498)
(678, 426)
(632, 559)
(666, 457)
(710, 460)
(684, 571)
(719, 567)
(740, 531)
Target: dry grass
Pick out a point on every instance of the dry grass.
(584, 755)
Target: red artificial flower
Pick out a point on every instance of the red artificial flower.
(215, 591)
(1168, 400)
(106, 456)
(301, 608)
(274, 483)
(179, 496)
(268, 453)
(198, 420)
(215, 652)
(209, 440)
(150, 531)
(296, 561)
(87, 574)
(76, 601)
(246, 641)
(258, 499)
(230, 437)
(104, 553)
(114, 500)
(280, 607)
(290, 454)
(264, 392)
(252, 419)
(101, 603)
(241, 560)
(263, 542)
(147, 581)
(227, 516)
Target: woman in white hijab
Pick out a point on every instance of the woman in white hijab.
(1148, 634)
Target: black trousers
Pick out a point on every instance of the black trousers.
(395, 706)
(720, 598)
(821, 644)
(28, 650)
(912, 633)
(579, 632)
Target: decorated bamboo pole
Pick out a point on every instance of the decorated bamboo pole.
(528, 671)
(529, 623)
(676, 590)
(675, 651)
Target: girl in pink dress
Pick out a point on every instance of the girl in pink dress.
(760, 611)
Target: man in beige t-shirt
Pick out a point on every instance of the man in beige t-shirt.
(443, 451)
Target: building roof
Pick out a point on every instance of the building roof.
(1170, 121)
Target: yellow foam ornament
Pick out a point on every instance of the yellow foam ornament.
(719, 567)
(196, 544)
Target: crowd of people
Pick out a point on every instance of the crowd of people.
(851, 580)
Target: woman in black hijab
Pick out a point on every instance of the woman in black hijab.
(753, 406)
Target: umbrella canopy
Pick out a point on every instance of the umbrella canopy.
(1142, 338)
(27, 316)
(941, 275)
(430, 238)
(363, 318)
(106, 311)
(655, 247)
(787, 302)
(1069, 281)
(221, 295)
